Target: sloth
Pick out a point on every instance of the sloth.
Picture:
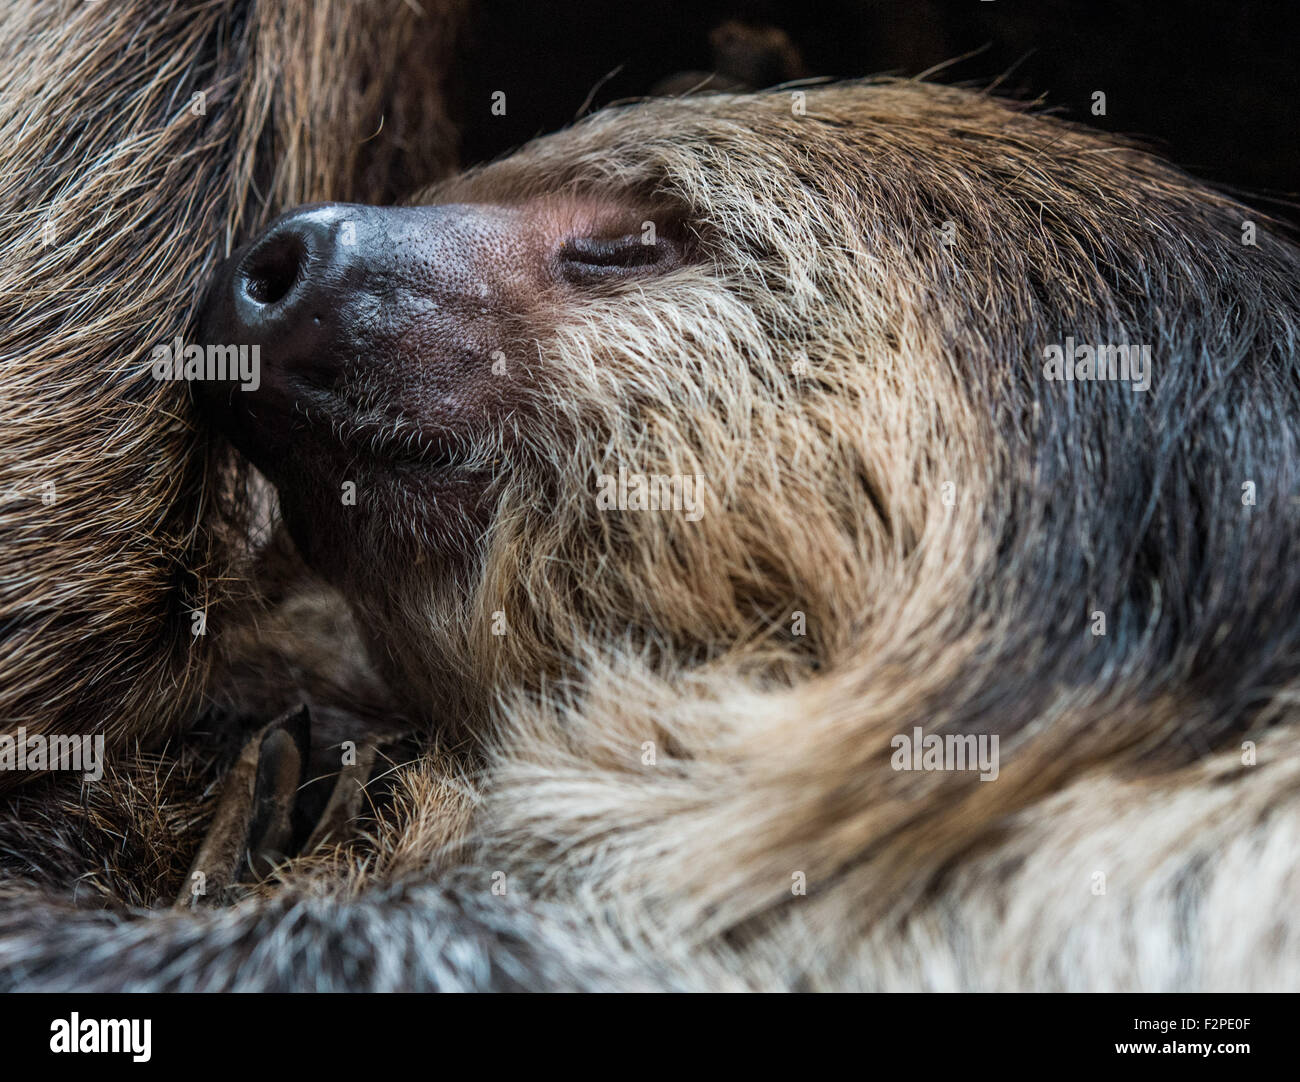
(852, 530)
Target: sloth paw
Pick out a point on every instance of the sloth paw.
(277, 803)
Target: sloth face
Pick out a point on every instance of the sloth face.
(451, 395)
(398, 355)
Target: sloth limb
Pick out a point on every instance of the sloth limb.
(407, 938)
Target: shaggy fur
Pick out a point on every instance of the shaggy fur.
(102, 141)
(830, 369)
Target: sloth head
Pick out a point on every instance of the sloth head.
(760, 379)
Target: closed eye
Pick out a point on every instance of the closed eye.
(583, 260)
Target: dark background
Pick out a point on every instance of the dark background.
(1213, 85)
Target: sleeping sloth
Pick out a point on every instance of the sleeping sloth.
(855, 529)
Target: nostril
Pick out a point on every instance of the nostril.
(274, 268)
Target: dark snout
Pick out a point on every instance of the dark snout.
(329, 293)
(280, 291)
(282, 306)
(287, 292)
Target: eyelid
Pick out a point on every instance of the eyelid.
(585, 259)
